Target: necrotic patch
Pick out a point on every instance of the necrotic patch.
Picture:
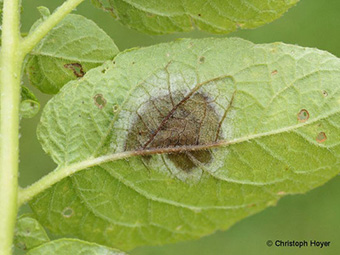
(174, 121)
(76, 68)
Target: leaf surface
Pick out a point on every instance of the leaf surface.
(179, 140)
(215, 16)
(74, 247)
(67, 52)
(29, 105)
(29, 233)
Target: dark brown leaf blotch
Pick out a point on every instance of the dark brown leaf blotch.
(174, 121)
(76, 68)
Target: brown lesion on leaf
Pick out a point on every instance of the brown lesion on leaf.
(201, 60)
(76, 68)
(115, 108)
(150, 15)
(176, 121)
(303, 115)
(275, 72)
(21, 245)
(68, 212)
(321, 137)
(99, 101)
(105, 5)
(324, 93)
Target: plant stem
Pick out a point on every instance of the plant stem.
(11, 60)
(32, 39)
(12, 54)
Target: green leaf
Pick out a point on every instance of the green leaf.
(29, 105)
(182, 139)
(29, 233)
(44, 12)
(74, 247)
(214, 16)
(68, 51)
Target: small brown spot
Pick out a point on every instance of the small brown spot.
(303, 115)
(99, 100)
(21, 246)
(199, 15)
(275, 72)
(115, 108)
(67, 212)
(76, 68)
(324, 93)
(201, 60)
(281, 193)
(150, 15)
(321, 137)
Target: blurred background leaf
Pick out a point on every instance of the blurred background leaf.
(29, 105)
(312, 23)
(214, 16)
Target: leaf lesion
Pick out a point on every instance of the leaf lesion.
(177, 121)
(76, 68)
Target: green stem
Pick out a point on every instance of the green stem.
(32, 39)
(12, 54)
(10, 60)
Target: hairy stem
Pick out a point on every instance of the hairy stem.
(13, 51)
(10, 60)
(32, 39)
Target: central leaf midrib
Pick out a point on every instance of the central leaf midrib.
(94, 161)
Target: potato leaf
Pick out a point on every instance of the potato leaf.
(74, 247)
(29, 105)
(178, 140)
(68, 51)
(29, 233)
(215, 16)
